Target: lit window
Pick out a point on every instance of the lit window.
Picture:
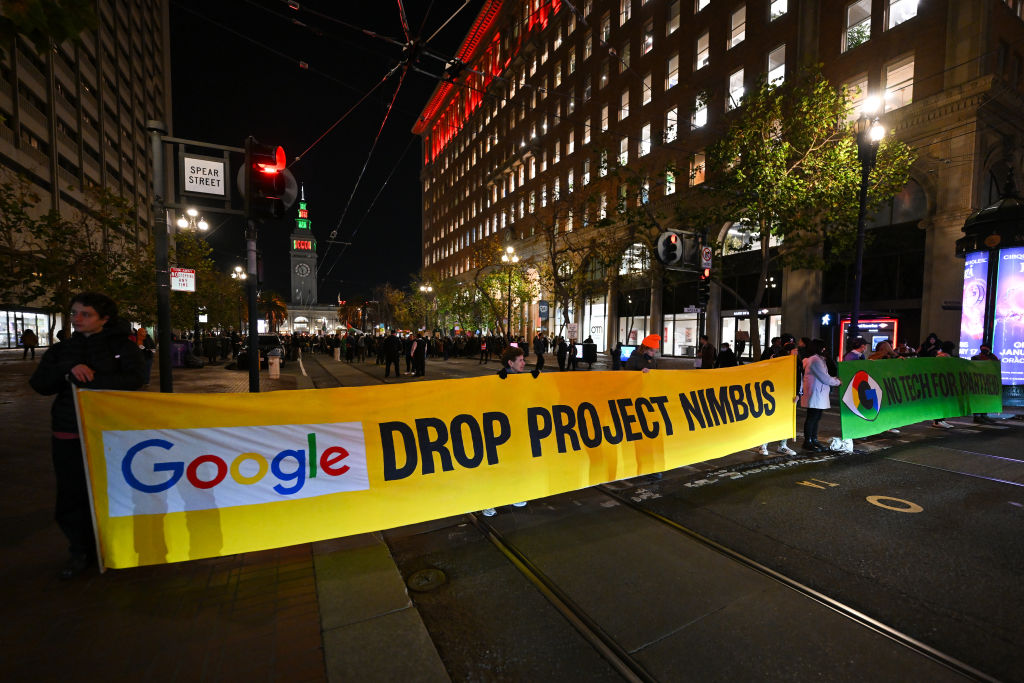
(606, 27)
(700, 113)
(604, 119)
(624, 106)
(624, 58)
(645, 192)
(625, 11)
(568, 181)
(671, 124)
(648, 90)
(587, 49)
(645, 140)
(557, 156)
(735, 90)
(623, 151)
(738, 27)
(697, 165)
(670, 182)
(543, 195)
(902, 10)
(587, 88)
(701, 4)
(586, 133)
(899, 83)
(648, 40)
(572, 60)
(555, 191)
(856, 91)
(702, 51)
(672, 24)
(672, 72)
(558, 74)
(604, 206)
(777, 65)
(603, 168)
(570, 145)
(858, 24)
(586, 171)
(778, 8)
(604, 76)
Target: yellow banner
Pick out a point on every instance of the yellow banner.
(185, 476)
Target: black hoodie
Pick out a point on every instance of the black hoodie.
(110, 353)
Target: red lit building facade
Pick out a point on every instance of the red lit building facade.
(551, 89)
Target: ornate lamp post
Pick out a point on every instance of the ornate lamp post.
(427, 291)
(869, 133)
(192, 221)
(509, 258)
(239, 274)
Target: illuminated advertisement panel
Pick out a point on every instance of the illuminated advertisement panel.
(1008, 332)
(972, 319)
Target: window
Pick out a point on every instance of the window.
(606, 27)
(570, 144)
(604, 119)
(648, 90)
(645, 192)
(558, 74)
(777, 65)
(777, 8)
(603, 168)
(648, 42)
(735, 90)
(572, 60)
(624, 58)
(701, 4)
(625, 11)
(645, 140)
(624, 105)
(587, 88)
(900, 11)
(858, 24)
(623, 151)
(738, 27)
(700, 113)
(671, 124)
(586, 133)
(697, 166)
(856, 91)
(586, 50)
(899, 83)
(586, 171)
(672, 24)
(604, 76)
(670, 182)
(702, 51)
(672, 72)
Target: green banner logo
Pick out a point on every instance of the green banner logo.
(864, 397)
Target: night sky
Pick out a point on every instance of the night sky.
(235, 72)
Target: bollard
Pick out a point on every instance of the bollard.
(337, 353)
(274, 365)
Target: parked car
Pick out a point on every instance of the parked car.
(270, 345)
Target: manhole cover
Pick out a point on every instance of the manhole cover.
(426, 580)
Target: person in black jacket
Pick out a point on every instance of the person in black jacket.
(99, 355)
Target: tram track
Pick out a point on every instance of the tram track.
(626, 664)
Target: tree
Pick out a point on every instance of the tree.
(787, 168)
(272, 307)
(46, 22)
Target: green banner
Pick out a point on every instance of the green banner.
(876, 395)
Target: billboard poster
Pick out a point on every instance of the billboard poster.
(1008, 331)
(972, 317)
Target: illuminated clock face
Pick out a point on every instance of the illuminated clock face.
(302, 270)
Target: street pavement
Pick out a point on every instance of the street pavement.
(334, 610)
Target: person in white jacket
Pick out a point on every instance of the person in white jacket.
(817, 386)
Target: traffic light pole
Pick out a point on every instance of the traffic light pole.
(157, 130)
(250, 250)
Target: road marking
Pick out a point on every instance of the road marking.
(907, 505)
(968, 463)
(302, 367)
(817, 486)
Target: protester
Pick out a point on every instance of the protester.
(930, 347)
(30, 341)
(883, 351)
(706, 354)
(561, 353)
(945, 351)
(856, 352)
(513, 362)
(817, 387)
(540, 347)
(98, 355)
(787, 347)
(642, 358)
(726, 357)
(147, 346)
(392, 351)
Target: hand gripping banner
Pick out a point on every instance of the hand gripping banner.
(185, 476)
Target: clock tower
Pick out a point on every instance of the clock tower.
(303, 257)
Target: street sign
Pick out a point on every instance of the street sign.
(183, 280)
(203, 175)
(572, 330)
(705, 257)
(692, 309)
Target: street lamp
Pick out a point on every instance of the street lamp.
(426, 291)
(510, 258)
(192, 221)
(239, 274)
(869, 133)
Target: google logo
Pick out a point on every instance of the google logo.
(290, 467)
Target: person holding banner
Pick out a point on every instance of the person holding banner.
(642, 358)
(99, 355)
(984, 353)
(817, 387)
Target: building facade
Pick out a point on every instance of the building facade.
(543, 94)
(74, 117)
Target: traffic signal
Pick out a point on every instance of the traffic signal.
(704, 287)
(670, 248)
(270, 187)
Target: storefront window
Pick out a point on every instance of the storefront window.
(680, 338)
(13, 323)
(595, 321)
(733, 326)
